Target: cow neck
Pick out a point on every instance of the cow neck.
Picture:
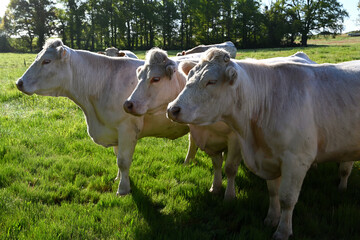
(244, 100)
(88, 77)
(255, 90)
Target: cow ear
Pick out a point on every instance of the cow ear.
(231, 74)
(186, 66)
(121, 54)
(138, 71)
(64, 53)
(170, 68)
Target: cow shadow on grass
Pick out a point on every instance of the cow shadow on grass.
(325, 212)
(322, 212)
(207, 215)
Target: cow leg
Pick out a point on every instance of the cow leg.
(116, 150)
(217, 163)
(127, 140)
(273, 215)
(232, 163)
(191, 150)
(293, 171)
(344, 172)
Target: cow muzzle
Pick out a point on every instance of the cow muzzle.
(20, 84)
(173, 112)
(128, 106)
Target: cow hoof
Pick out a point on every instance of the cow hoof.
(122, 194)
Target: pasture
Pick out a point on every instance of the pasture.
(55, 183)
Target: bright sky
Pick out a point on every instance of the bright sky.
(349, 5)
(3, 5)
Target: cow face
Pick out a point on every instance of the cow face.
(207, 95)
(48, 73)
(156, 88)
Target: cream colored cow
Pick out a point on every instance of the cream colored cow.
(228, 46)
(287, 116)
(97, 84)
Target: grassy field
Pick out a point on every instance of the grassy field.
(55, 183)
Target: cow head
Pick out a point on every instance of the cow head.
(207, 94)
(112, 52)
(158, 84)
(49, 72)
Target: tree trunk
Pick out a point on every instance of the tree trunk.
(304, 38)
(128, 36)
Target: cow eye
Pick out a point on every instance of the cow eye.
(46, 61)
(155, 79)
(211, 82)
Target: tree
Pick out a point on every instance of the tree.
(227, 19)
(30, 18)
(43, 15)
(276, 23)
(248, 20)
(318, 15)
(20, 21)
(4, 38)
(168, 19)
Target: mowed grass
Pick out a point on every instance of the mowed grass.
(55, 183)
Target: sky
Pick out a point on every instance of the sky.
(349, 5)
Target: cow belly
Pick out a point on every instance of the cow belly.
(213, 138)
(211, 144)
(103, 136)
(340, 156)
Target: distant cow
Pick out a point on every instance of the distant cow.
(160, 81)
(97, 84)
(126, 53)
(114, 52)
(287, 115)
(228, 46)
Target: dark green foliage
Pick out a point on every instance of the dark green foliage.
(170, 24)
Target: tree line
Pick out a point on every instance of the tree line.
(170, 24)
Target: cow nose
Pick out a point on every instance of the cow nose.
(19, 84)
(173, 112)
(128, 106)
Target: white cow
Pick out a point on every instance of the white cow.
(287, 115)
(126, 53)
(97, 84)
(158, 86)
(159, 83)
(228, 46)
(114, 52)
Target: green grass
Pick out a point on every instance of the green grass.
(55, 183)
